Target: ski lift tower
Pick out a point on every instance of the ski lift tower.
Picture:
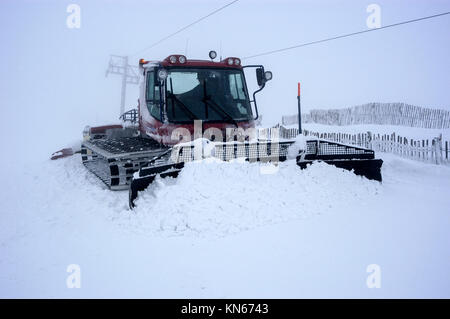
(130, 75)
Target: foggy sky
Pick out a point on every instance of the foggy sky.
(53, 78)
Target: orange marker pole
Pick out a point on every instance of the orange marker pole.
(299, 111)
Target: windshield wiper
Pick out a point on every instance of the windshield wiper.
(217, 107)
(185, 109)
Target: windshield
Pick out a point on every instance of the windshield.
(207, 94)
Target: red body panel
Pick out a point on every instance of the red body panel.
(203, 63)
(65, 152)
(162, 132)
(102, 129)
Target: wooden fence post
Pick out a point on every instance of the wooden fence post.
(446, 150)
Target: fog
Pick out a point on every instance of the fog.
(53, 78)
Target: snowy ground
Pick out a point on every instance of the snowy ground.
(227, 230)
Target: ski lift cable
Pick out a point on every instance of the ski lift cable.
(185, 27)
(345, 35)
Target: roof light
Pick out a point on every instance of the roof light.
(230, 61)
(142, 61)
(182, 59)
(237, 61)
(212, 55)
(173, 59)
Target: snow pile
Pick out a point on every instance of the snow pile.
(300, 144)
(203, 148)
(211, 197)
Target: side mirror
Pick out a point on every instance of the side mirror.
(162, 74)
(262, 77)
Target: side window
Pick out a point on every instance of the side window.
(236, 88)
(153, 96)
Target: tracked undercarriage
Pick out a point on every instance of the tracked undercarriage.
(115, 160)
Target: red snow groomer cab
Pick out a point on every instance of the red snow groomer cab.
(178, 92)
(183, 102)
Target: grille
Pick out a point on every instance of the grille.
(265, 151)
(321, 149)
(227, 152)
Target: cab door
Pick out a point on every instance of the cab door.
(150, 105)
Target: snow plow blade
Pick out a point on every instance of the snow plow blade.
(369, 168)
(359, 160)
(147, 175)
